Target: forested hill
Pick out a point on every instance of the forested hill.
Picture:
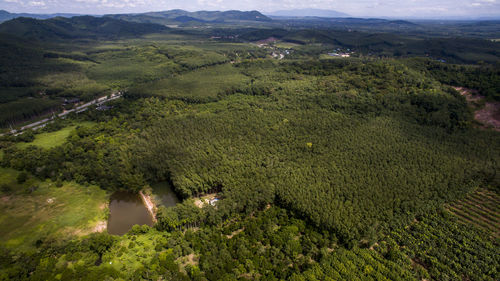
(308, 13)
(5, 16)
(77, 27)
(181, 16)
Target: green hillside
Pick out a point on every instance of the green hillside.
(76, 27)
(181, 16)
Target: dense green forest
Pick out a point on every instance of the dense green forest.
(324, 168)
(86, 57)
(272, 245)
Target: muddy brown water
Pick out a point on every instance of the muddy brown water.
(125, 210)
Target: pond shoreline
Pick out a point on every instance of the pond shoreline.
(146, 199)
(128, 209)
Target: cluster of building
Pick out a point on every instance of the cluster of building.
(342, 54)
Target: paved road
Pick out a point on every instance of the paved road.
(78, 109)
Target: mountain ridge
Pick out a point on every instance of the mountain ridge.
(178, 16)
(76, 27)
(5, 15)
(300, 13)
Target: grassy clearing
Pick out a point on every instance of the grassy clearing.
(480, 208)
(286, 45)
(37, 210)
(52, 139)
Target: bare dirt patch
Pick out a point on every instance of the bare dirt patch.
(236, 232)
(488, 114)
(472, 96)
(190, 259)
(101, 226)
(149, 204)
(372, 247)
(267, 41)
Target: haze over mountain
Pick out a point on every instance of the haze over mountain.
(308, 13)
(76, 27)
(162, 17)
(435, 9)
(181, 16)
(5, 16)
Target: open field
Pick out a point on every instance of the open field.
(52, 139)
(286, 45)
(48, 211)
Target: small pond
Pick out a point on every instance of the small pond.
(125, 210)
(163, 191)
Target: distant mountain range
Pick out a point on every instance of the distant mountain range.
(76, 27)
(165, 17)
(300, 13)
(181, 16)
(5, 16)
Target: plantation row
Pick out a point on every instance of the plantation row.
(480, 208)
(450, 250)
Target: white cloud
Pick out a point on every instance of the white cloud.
(88, 1)
(36, 3)
(372, 8)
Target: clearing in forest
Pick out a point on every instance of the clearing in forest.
(488, 113)
(208, 199)
(52, 139)
(480, 208)
(36, 210)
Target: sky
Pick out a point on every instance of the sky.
(438, 9)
